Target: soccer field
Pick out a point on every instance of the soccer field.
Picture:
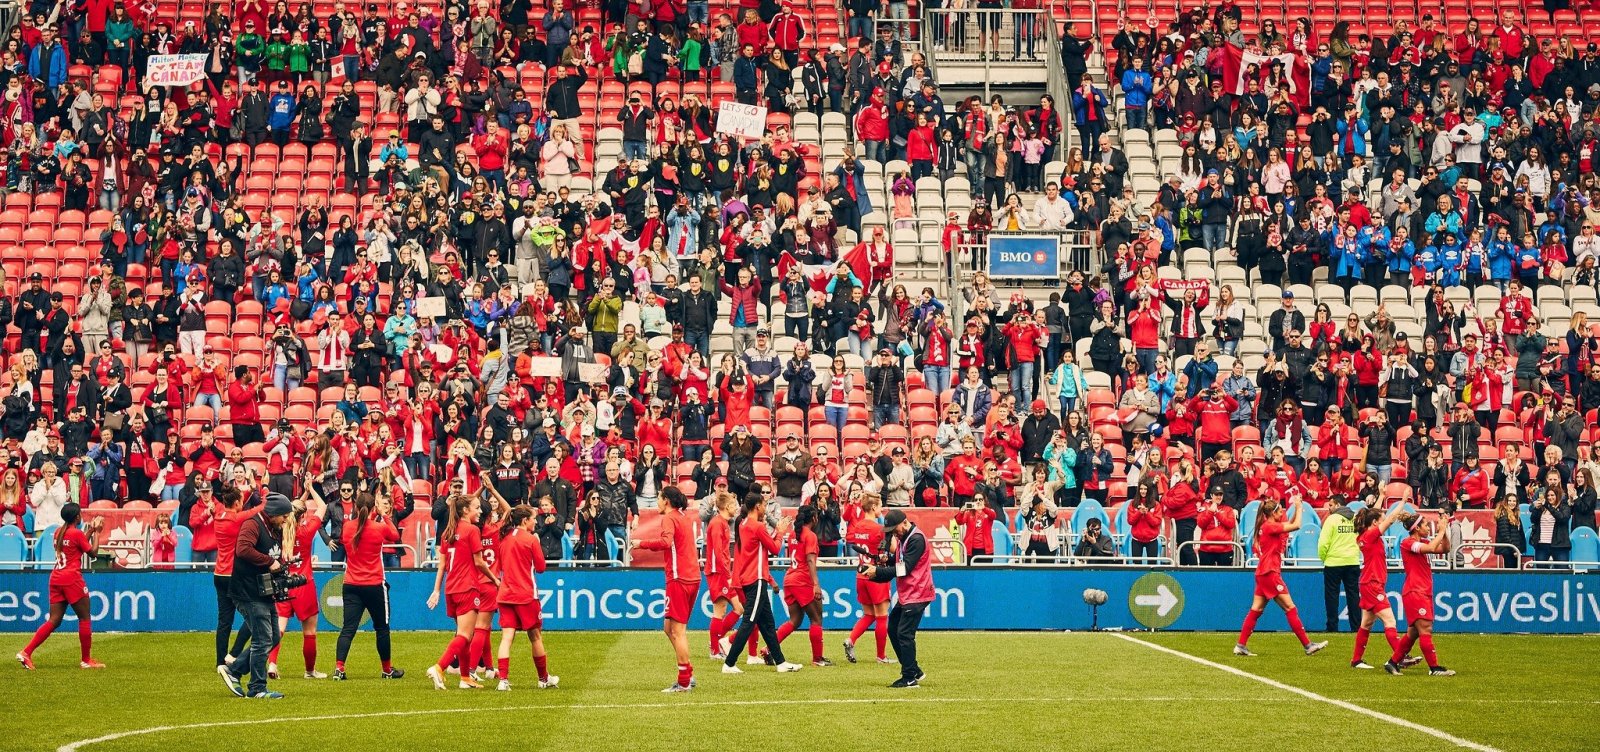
(999, 691)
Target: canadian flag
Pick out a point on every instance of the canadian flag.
(1236, 62)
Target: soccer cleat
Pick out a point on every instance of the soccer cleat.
(27, 661)
(91, 663)
(552, 681)
(467, 682)
(1243, 651)
(726, 669)
(394, 673)
(822, 662)
(267, 696)
(1391, 668)
(755, 661)
(453, 670)
(849, 651)
(231, 681)
(724, 645)
(315, 674)
(1410, 660)
(272, 670)
(719, 656)
(437, 676)
(1316, 647)
(766, 659)
(903, 683)
(338, 675)
(788, 668)
(503, 686)
(676, 688)
(1361, 665)
(886, 661)
(1440, 671)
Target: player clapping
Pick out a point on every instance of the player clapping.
(1272, 536)
(520, 556)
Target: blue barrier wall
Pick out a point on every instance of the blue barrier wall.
(977, 598)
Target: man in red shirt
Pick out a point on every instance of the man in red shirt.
(1024, 336)
(677, 540)
(787, 29)
(243, 411)
(1212, 410)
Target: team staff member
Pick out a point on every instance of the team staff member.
(913, 575)
(682, 565)
(520, 556)
(368, 529)
(302, 603)
(259, 550)
(67, 587)
(1336, 547)
(753, 545)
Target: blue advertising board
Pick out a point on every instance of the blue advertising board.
(969, 598)
(1024, 256)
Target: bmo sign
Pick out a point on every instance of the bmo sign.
(1024, 256)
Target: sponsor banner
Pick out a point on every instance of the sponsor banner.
(968, 598)
(1024, 256)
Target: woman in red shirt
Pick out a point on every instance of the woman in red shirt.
(801, 588)
(1144, 522)
(727, 605)
(865, 535)
(676, 541)
(519, 556)
(462, 567)
(753, 545)
(1273, 527)
(302, 604)
(368, 528)
(67, 587)
(921, 145)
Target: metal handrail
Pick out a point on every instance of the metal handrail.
(1240, 559)
(1455, 553)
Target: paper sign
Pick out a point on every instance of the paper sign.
(175, 70)
(745, 120)
(592, 373)
(544, 365)
(432, 307)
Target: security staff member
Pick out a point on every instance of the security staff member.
(912, 571)
(1341, 566)
(258, 551)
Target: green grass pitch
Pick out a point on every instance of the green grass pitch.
(984, 691)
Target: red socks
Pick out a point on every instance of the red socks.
(1404, 647)
(1393, 637)
(862, 625)
(816, 642)
(753, 636)
(1361, 643)
(1426, 640)
(475, 651)
(85, 638)
(784, 631)
(503, 668)
(272, 655)
(880, 631)
(1250, 619)
(539, 665)
(685, 674)
(458, 645)
(39, 636)
(719, 629)
(308, 648)
(1293, 615)
(386, 666)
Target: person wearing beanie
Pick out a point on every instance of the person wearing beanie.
(258, 552)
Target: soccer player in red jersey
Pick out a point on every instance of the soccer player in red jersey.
(1272, 537)
(683, 577)
(302, 603)
(228, 514)
(369, 527)
(462, 570)
(1416, 596)
(752, 572)
(726, 605)
(802, 592)
(866, 537)
(488, 588)
(67, 587)
(519, 558)
(1369, 525)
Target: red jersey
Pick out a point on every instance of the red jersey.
(1374, 567)
(520, 556)
(802, 544)
(1419, 572)
(677, 540)
(1270, 543)
(304, 535)
(756, 544)
(69, 556)
(363, 556)
(227, 523)
(489, 544)
(461, 575)
(868, 537)
(719, 551)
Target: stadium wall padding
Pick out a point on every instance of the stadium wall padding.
(991, 598)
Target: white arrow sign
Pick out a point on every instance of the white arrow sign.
(1163, 600)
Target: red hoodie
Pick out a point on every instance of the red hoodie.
(1212, 414)
(1181, 501)
(1144, 524)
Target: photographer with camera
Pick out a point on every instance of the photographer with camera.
(259, 580)
(913, 575)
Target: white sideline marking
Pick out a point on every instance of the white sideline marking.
(80, 744)
(1308, 694)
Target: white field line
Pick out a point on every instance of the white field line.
(1308, 694)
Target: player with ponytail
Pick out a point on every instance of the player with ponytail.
(303, 525)
(753, 545)
(1271, 538)
(462, 567)
(1370, 524)
(366, 591)
(520, 556)
(1416, 595)
(67, 587)
(802, 592)
(676, 542)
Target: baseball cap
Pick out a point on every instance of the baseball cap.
(893, 518)
(1288, 294)
(1038, 405)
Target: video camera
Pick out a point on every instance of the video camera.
(278, 585)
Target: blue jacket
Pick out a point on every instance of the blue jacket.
(1136, 88)
(1400, 258)
(1450, 223)
(1529, 260)
(1360, 137)
(1450, 263)
(1475, 259)
(53, 71)
(744, 74)
(1501, 257)
(1374, 244)
(1427, 257)
(1080, 107)
(1202, 374)
(683, 228)
(1348, 255)
(280, 112)
(1165, 388)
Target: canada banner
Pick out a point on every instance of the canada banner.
(1236, 63)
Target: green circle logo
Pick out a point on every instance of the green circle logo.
(332, 605)
(1156, 600)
